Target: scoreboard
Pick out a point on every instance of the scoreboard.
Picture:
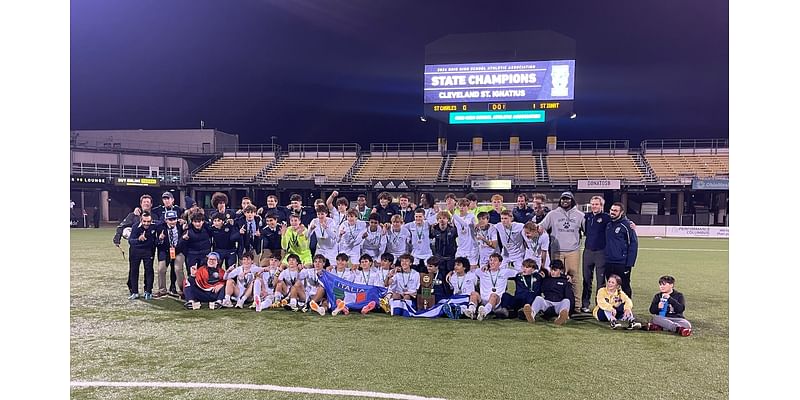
(499, 93)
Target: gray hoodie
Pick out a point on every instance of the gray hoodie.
(566, 226)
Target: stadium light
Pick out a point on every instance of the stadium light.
(422, 118)
(573, 116)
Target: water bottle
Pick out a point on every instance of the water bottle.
(663, 311)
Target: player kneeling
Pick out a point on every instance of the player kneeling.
(527, 288)
(556, 294)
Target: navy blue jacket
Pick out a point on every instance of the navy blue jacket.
(271, 239)
(531, 286)
(249, 241)
(229, 213)
(148, 245)
(557, 289)
(306, 214)
(494, 217)
(280, 211)
(444, 241)
(596, 230)
(159, 211)
(385, 214)
(622, 245)
(165, 244)
(130, 221)
(225, 238)
(522, 215)
(199, 240)
(676, 304)
(407, 214)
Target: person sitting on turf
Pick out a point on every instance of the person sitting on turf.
(405, 280)
(527, 288)
(288, 285)
(493, 284)
(667, 308)
(614, 304)
(556, 294)
(264, 283)
(315, 289)
(463, 281)
(239, 281)
(206, 284)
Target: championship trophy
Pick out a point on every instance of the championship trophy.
(425, 297)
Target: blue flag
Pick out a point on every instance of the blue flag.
(408, 308)
(354, 295)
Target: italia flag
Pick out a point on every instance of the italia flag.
(354, 295)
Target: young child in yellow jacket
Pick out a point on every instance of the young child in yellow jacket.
(614, 305)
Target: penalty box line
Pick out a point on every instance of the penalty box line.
(245, 386)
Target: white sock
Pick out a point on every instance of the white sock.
(228, 297)
(488, 308)
(293, 302)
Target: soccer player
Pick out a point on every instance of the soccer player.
(405, 210)
(327, 235)
(406, 280)
(486, 236)
(224, 240)
(537, 245)
(271, 237)
(462, 282)
(667, 308)
(464, 222)
(306, 214)
(264, 283)
(289, 285)
(133, 218)
(444, 236)
(512, 239)
(497, 209)
(168, 204)
(396, 238)
(493, 283)
(427, 203)
(239, 281)
(613, 304)
(206, 284)
(527, 287)
(220, 201)
(196, 240)
(367, 275)
(556, 295)
(450, 203)
(341, 270)
(309, 277)
(250, 231)
(419, 232)
(374, 241)
(142, 241)
(362, 211)
(439, 282)
(170, 255)
(351, 235)
(281, 213)
(385, 209)
(294, 240)
(384, 274)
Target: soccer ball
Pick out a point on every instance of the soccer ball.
(126, 233)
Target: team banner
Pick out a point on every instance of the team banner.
(504, 81)
(354, 295)
(407, 308)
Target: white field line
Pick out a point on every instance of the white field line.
(660, 249)
(273, 388)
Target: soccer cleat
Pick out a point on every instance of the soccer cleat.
(528, 313)
(240, 303)
(469, 312)
(187, 305)
(215, 305)
(385, 305)
(317, 308)
(685, 331)
(133, 296)
(634, 325)
(195, 305)
(258, 304)
(501, 312)
(340, 306)
(227, 303)
(615, 324)
(563, 316)
(284, 302)
(586, 310)
(346, 310)
(367, 308)
(481, 313)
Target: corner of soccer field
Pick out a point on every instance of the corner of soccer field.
(113, 339)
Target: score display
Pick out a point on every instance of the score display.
(507, 92)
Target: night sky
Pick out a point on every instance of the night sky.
(351, 71)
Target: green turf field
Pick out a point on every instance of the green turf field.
(114, 339)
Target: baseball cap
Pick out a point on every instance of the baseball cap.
(167, 194)
(171, 215)
(568, 195)
(213, 254)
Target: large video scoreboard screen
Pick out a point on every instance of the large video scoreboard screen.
(504, 92)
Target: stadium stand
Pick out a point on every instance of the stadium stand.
(573, 167)
(233, 168)
(493, 160)
(415, 161)
(675, 160)
(321, 162)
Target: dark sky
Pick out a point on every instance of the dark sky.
(351, 71)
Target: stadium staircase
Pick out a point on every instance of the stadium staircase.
(447, 163)
(541, 169)
(644, 167)
(362, 159)
(210, 161)
(262, 175)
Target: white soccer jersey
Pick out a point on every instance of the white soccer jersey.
(467, 245)
(494, 281)
(338, 218)
(350, 240)
(374, 244)
(262, 286)
(406, 282)
(327, 238)
(310, 281)
(397, 242)
(365, 277)
(464, 284)
(484, 250)
(513, 240)
(533, 250)
(347, 274)
(289, 277)
(380, 277)
(420, 239)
